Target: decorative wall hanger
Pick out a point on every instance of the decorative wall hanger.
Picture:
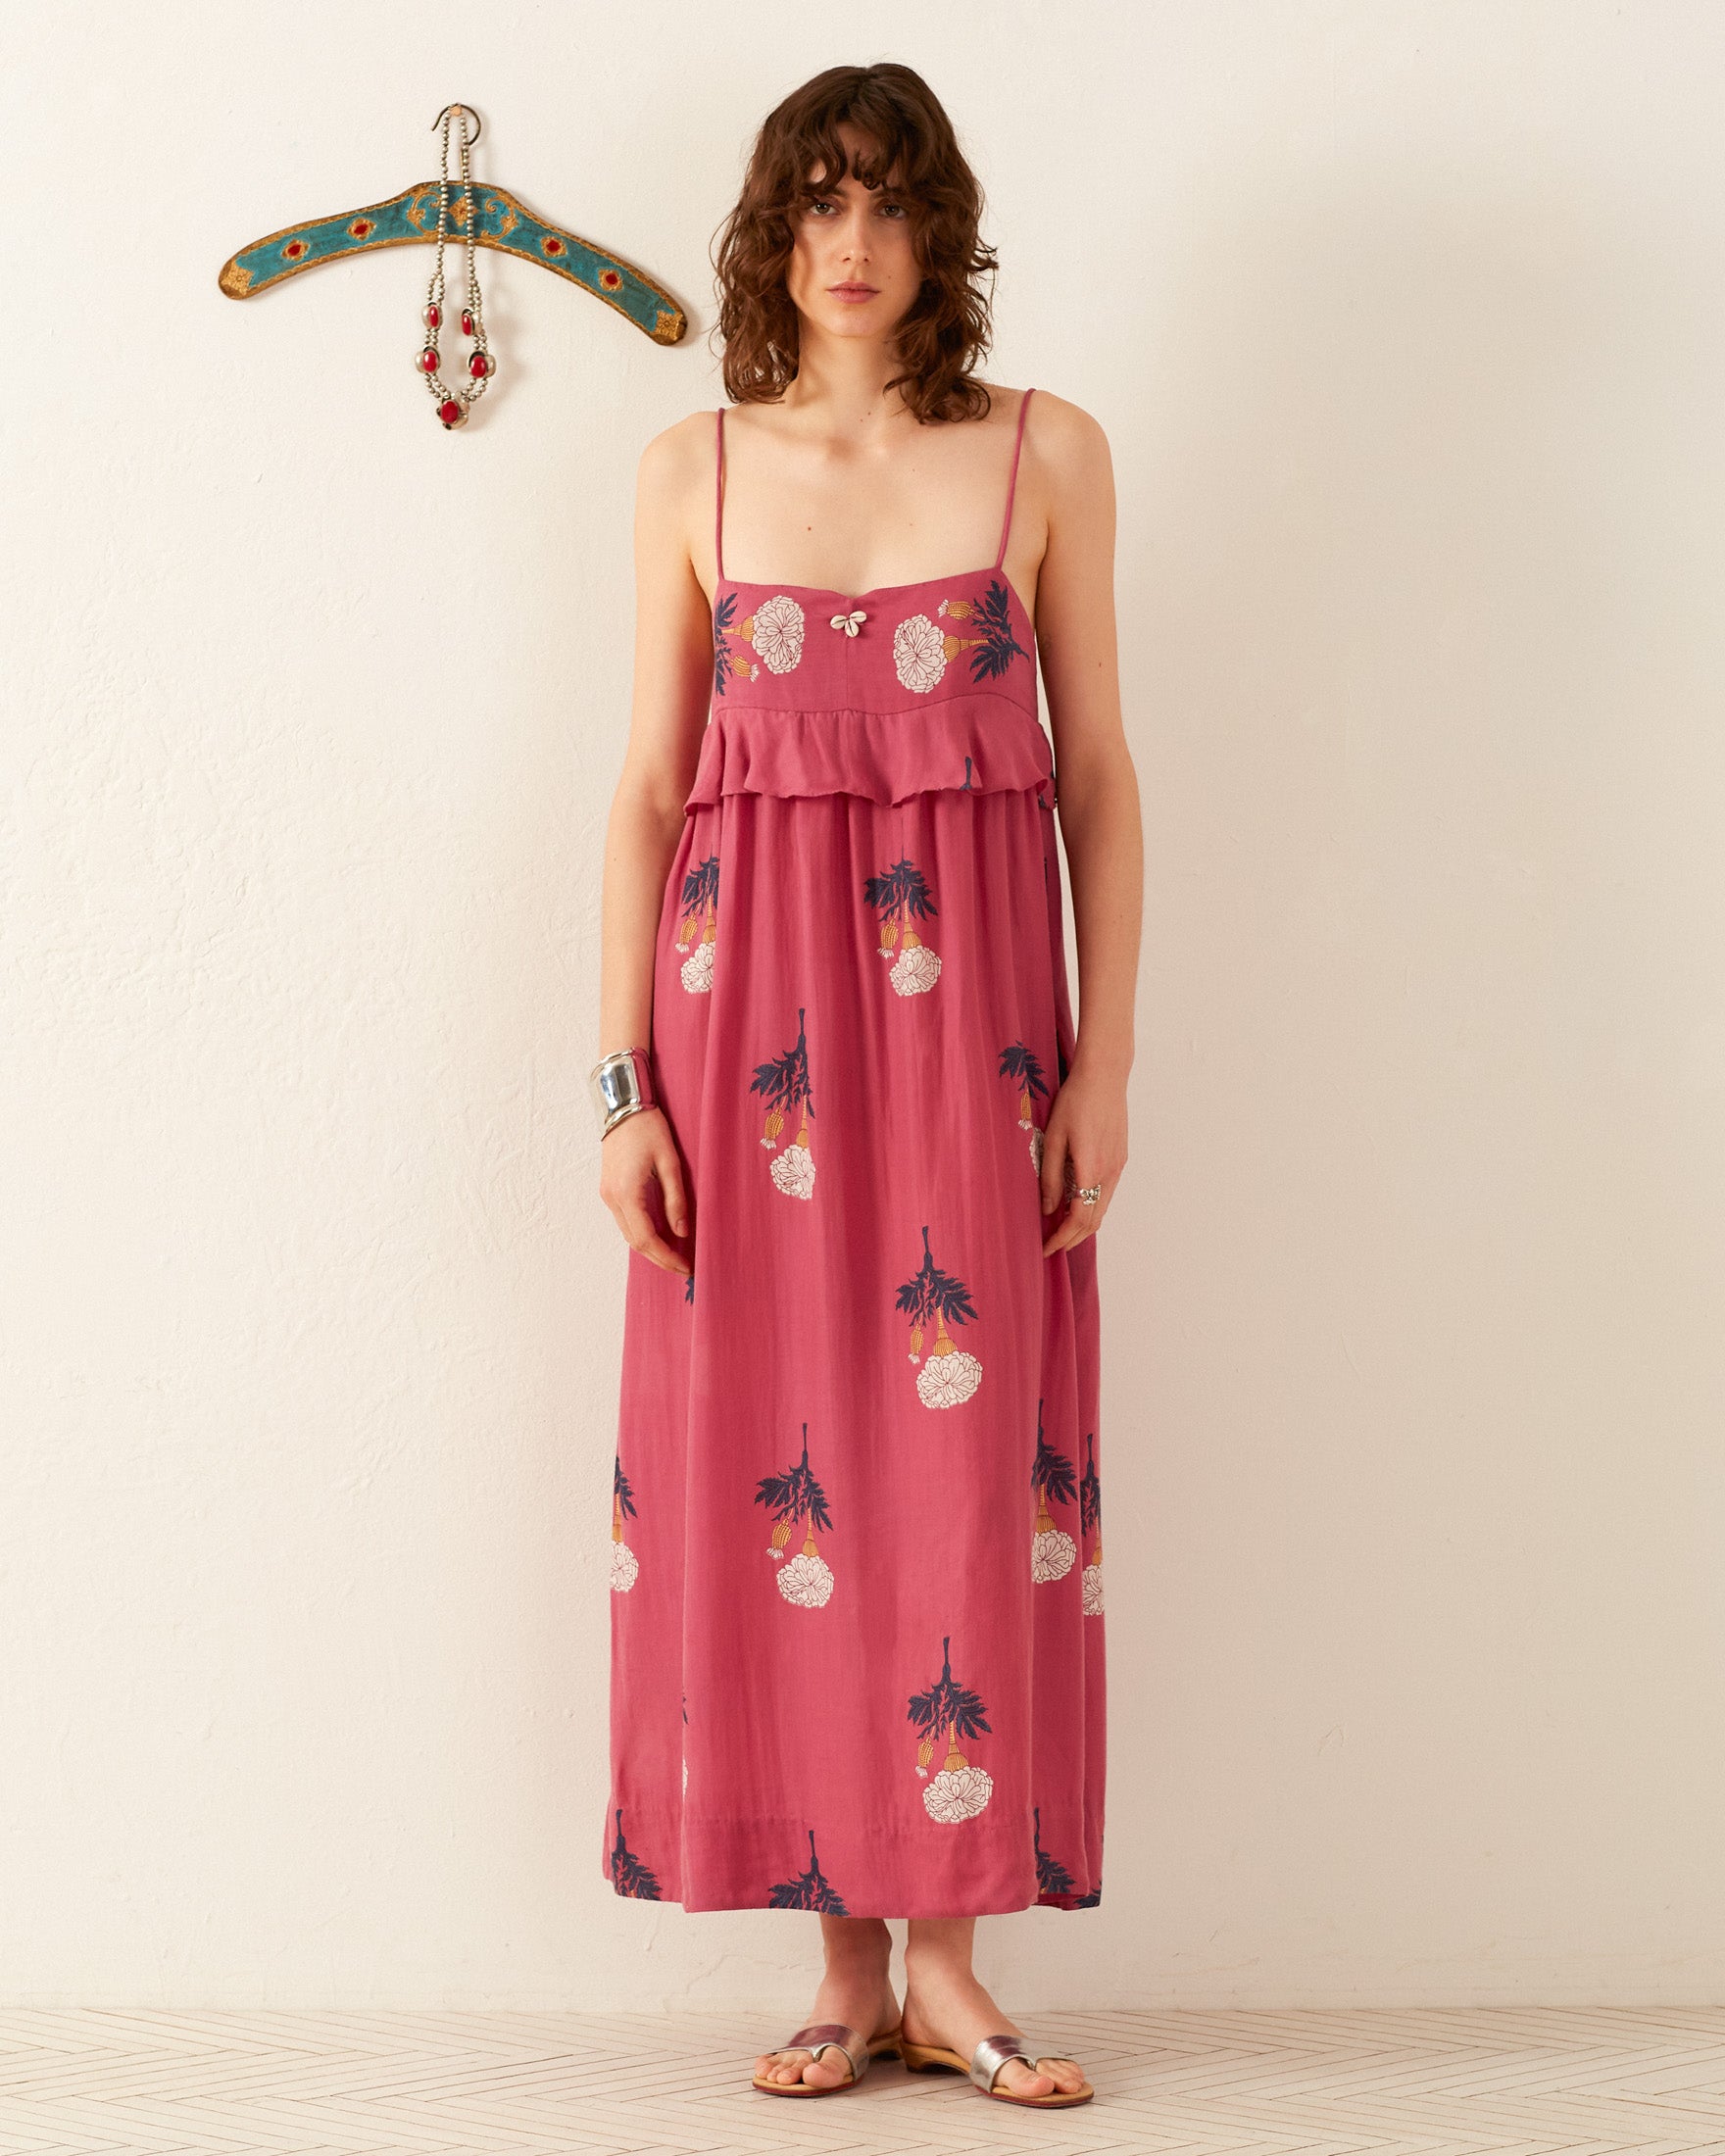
(482, 216)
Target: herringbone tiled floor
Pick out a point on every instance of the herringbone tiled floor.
(1500, 2081)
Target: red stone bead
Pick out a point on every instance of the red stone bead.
(433, 316)
(479, 366)
(467, 324)
(451, 413)
(427, 362)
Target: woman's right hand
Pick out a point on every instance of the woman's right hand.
(637, 1154)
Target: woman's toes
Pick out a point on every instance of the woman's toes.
(1021, 2081)
(825, 2072)
(1065, 2074)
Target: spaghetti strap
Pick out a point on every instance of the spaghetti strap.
(719, 500)
(1012, 482)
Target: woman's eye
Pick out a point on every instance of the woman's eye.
(819, 203)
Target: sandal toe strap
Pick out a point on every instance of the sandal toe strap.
(818, 2037)
(992, 2053)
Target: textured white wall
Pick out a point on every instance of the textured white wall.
(1404, 322)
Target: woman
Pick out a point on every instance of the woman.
(856, 1643)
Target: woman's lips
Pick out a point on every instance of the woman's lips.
(851, 291)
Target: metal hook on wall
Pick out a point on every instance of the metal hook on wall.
(478, 124)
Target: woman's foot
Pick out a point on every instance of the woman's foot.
(945, 2004)
(855, 1990)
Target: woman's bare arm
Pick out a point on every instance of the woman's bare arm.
(673, 674)
(1098, 805)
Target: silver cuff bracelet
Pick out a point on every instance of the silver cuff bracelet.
(622, 1084)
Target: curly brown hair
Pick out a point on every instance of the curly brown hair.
(949, 325)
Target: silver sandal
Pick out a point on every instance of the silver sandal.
(984, 2068)
(860, 2050)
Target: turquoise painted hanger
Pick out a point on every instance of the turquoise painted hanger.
(500, 219)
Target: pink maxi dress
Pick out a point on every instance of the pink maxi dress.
(857, 1618)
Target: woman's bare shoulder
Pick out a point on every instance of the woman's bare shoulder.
(674, 486)
(677, 451)
(1064, 428)
(1070, 466)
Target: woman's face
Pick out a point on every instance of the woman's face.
(852, 272)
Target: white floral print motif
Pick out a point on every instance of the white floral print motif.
(958, 1792)
(807, 1581)
(920, 653)
(950, 1378)
(778, 632)
(917, 968)
(1051, 1555)
(794, 1170)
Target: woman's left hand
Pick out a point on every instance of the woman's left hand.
(1083, 1144)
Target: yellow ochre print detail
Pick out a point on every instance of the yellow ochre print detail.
(1089, 1521)
(949, 1710)
(1053, 1552)
(625, 1566)
(773, 633)
(901, 896)
(807, 1582)
(1020, 1063)
(952, 1374)
(700, 904)
(782, 1081)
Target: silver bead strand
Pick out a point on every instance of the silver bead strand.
(452, 405)
(474, 325)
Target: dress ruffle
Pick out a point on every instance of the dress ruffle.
(974, 742)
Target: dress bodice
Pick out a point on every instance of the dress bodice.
(798, 647)
(898, 690)
(886, 694)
